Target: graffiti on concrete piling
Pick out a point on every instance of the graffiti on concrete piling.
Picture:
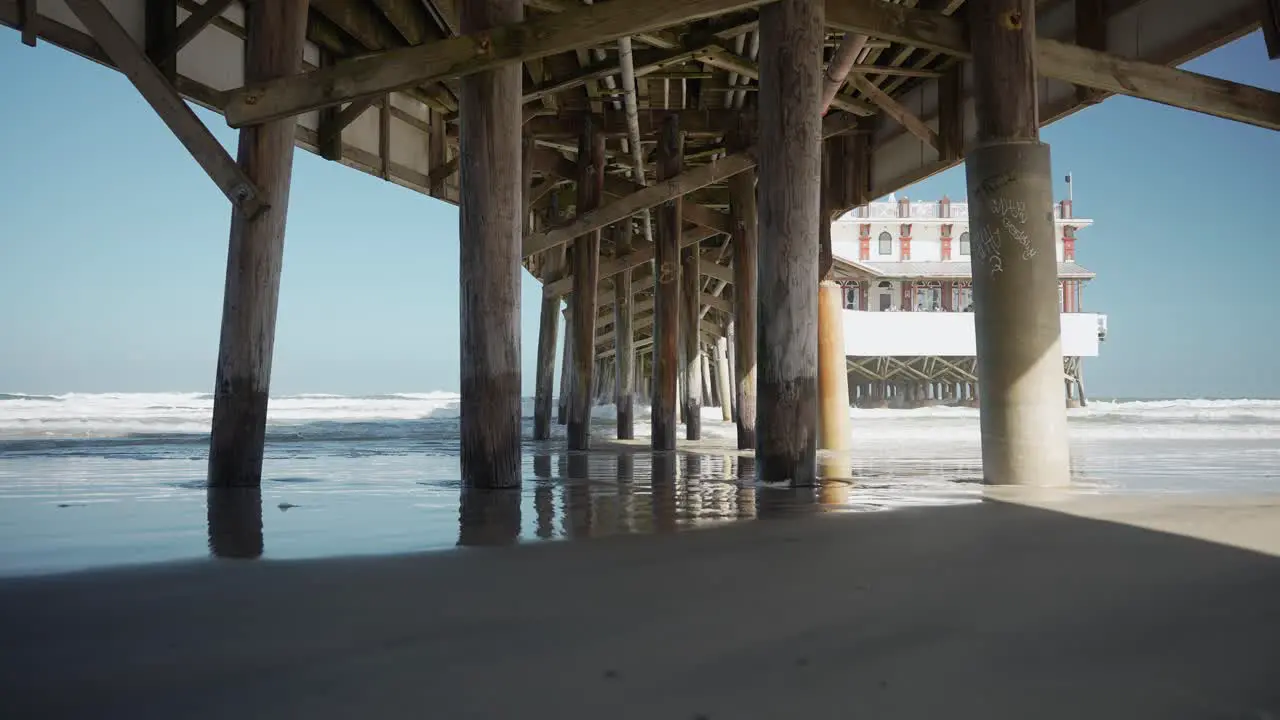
(989, 251)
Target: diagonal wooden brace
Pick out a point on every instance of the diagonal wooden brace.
(173, 110)
(187, 31)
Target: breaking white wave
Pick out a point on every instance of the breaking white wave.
(123, 414)
(118, 414)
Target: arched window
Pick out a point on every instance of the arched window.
(964, 243)
(852, 294)
(885, 293)
(886, 244)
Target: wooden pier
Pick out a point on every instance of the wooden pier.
(666, 169)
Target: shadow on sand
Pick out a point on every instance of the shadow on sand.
(988, 610)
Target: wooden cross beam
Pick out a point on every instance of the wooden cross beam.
(628, 205)
(641, 321)
(896, 71)
(636, 258)
(682, 184)
(410, 19)
(709, 331)
(898, 23)
(895, 110)
(1157, 83)
(1070, 63)
(725, 60)
(456, 57)
(644, 63)
(247, 198)
(445, 13)
(717, 271)
(613, 123)
(332, 124)
(646, 305)
(437, 176)
(615, 186)
(195, 22)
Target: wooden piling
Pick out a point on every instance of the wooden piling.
(723, 382)
(680, 414)
(490, 236)
(549, 320)
(666, 290)
(566, 364)
(833, 378)
(586, 279)
(254, 258)
(733, 364)
(691, 376)
(1022, 415)
(790, 96)
(708, 386)
(742, 223)
(544, 387)
(624, 337)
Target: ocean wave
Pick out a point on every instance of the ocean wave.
(318, 416)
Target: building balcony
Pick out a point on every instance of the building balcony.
(950, 334)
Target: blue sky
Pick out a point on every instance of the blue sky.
(113, 248)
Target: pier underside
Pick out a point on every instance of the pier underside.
(615, 145)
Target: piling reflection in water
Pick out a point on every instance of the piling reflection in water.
(577, 510)
(633, 491)
(235, 522)
(542, 466)
(782, 501)
(489, 517)
(664, 482)
(544, 500)
(577, 495)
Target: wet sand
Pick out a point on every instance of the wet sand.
(1124, 606)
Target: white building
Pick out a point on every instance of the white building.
(908, 296)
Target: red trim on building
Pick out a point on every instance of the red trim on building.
(1068, 243)
(946, 293)
(905, 244)
(864, 241)
(946, 242)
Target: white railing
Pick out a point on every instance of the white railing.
(919, 211)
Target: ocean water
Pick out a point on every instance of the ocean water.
(99, 480)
